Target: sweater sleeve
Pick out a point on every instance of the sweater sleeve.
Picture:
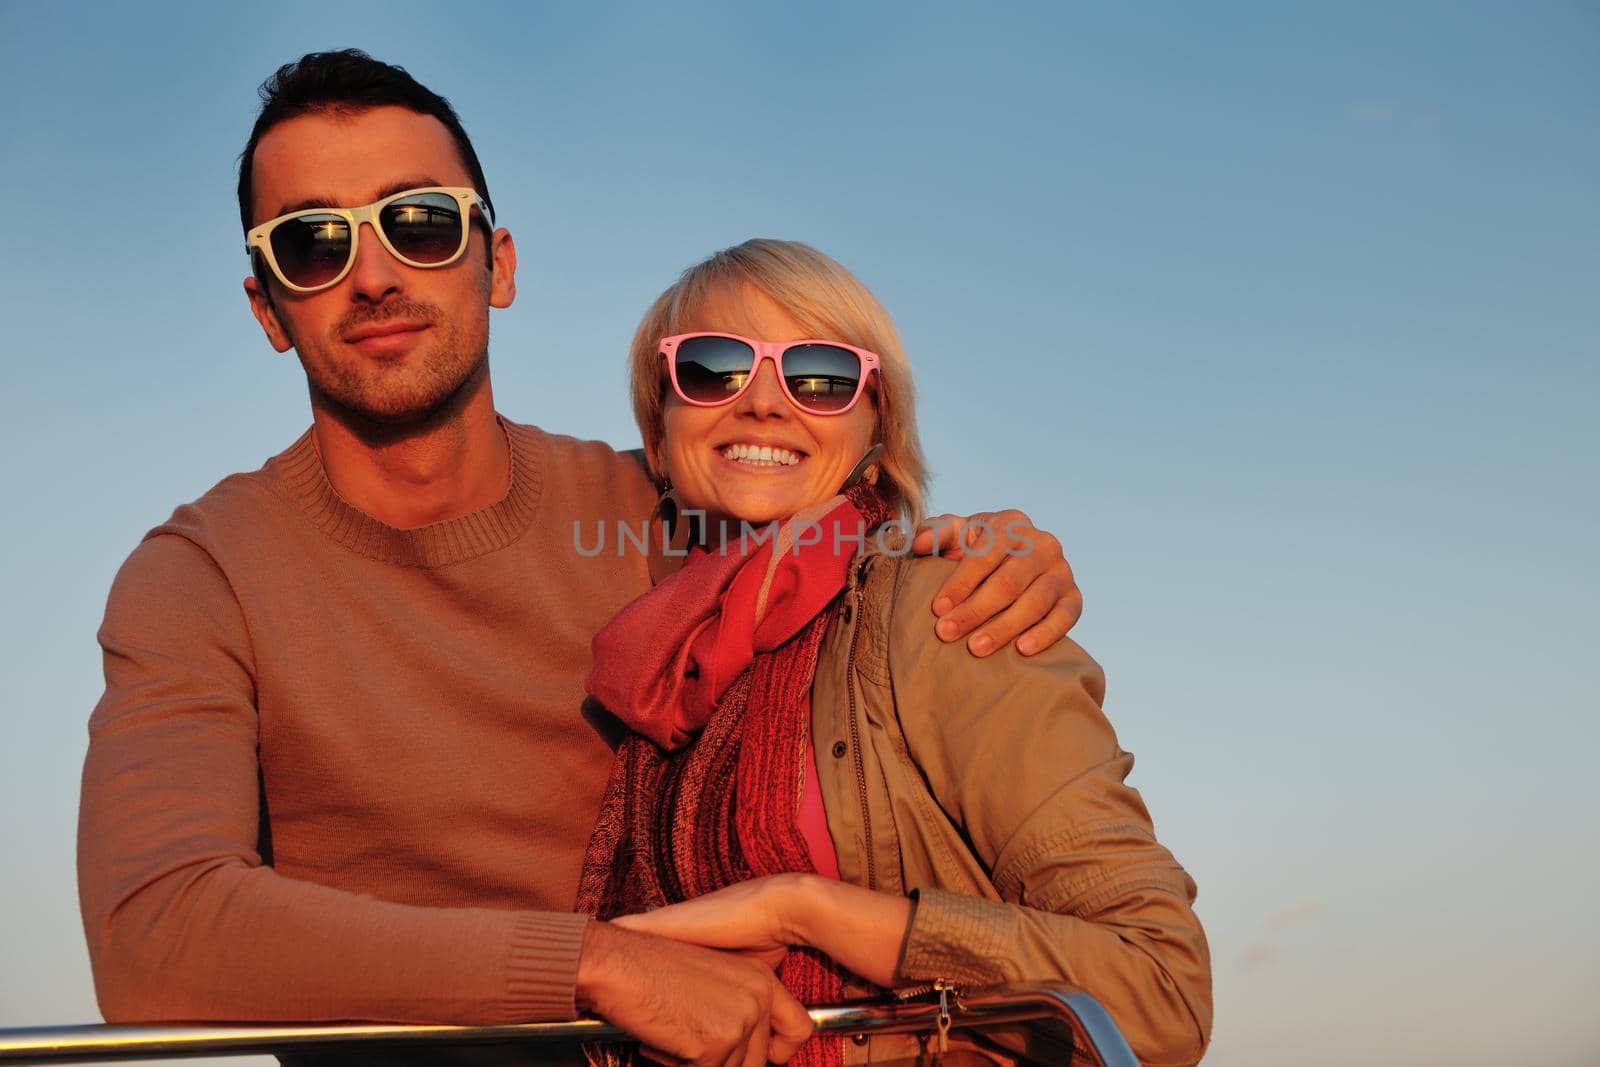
(185, 920)
(1020, 756)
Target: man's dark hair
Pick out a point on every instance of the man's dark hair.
(346, 81)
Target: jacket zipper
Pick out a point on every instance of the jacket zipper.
(949, 994)
(855, 742)
(938, 985)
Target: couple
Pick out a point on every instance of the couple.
(339, 770)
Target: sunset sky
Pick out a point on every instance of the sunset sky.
(1286, 319)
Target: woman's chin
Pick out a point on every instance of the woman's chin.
(751, 514)
(755, 517)
(759, 505)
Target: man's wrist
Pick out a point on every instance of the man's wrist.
(595, 961)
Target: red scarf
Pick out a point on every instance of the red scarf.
(712, 671)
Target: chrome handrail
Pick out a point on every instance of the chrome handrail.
(1055, 1011)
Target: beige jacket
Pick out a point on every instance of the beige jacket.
(993, 790)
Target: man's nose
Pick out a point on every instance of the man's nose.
(765, 397)
(375, 274)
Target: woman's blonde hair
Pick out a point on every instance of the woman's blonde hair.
(827, 302)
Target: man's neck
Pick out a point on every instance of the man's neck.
(455, 463)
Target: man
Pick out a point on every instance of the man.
(339, 770)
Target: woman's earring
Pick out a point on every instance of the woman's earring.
(865, 470)
(678, 530)
(667, 504)
(665, 554)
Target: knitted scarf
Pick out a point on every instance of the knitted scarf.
(712, 672)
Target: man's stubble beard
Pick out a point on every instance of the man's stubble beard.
(382, 399)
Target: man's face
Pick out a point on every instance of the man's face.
(390, 343)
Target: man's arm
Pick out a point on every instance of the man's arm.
(186, 920)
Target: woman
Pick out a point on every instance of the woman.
(810, 769)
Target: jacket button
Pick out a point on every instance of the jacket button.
(860, 1039)
(839, 749)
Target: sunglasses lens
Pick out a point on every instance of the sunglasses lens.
(425, 228)
(711, 370)
(311, 250)
(821, 378)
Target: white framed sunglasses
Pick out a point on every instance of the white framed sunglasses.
(312, 250)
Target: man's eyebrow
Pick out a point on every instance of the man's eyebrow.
(329, 201)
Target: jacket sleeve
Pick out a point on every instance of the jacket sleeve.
(1020, 756)
(184, 920)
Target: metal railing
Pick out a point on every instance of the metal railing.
(1067, 1017)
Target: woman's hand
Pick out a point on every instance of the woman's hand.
(858, 928)
(756, 918)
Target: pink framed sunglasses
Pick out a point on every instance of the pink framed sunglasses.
(819, 377)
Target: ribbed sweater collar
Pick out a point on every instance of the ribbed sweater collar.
(300, 478)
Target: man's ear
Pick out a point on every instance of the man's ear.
(267, 315)
(503, 265)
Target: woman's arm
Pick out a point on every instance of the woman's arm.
(1020, 757)
(861, 930)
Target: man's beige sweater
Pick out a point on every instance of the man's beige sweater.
(340, 770)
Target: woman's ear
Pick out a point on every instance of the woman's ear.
(656, 457)
(877, 406)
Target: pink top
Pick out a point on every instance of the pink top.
(812, 820)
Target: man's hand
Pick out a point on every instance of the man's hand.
(1012, 578)
(687, 1003)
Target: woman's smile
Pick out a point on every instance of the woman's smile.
(758, 455)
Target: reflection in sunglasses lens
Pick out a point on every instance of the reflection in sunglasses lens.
(425, 228)
(311, 250)
(712, 369)
(821, 378)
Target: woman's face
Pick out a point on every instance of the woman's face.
(813, 454)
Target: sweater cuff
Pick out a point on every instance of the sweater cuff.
(542, 968)
(956, 938)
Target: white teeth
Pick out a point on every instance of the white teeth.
(761, 455)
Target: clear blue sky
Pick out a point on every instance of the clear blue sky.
(1284, 318)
